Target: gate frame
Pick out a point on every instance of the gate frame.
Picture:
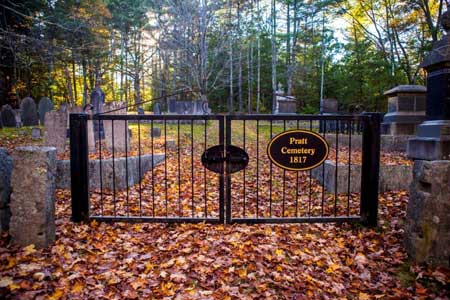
(79, 168)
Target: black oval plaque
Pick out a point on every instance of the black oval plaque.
(298, 150)
(214, 158)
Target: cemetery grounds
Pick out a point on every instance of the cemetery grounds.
(203, 261)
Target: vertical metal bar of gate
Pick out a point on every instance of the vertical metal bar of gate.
(370, 169)
(79, 173)
(227, 171)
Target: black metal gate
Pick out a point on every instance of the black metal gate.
(156, 172)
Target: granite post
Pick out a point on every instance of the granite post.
(427, 225)
(33, 198)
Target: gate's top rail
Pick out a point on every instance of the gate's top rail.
(269, 117)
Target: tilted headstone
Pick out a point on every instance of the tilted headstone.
(45, 105)
(28, 114)
(406, 109)
(119, 141)
(8, 116)
(55, 134)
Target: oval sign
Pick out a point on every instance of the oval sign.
(214, 158)
(298, 150)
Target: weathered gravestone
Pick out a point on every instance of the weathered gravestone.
(28, 112)
(33, 198)
(18, 116)
(156, 132)
(140, 111)
(115, 136)
(35, 133)
(406, 109)
(328, 106)
(8, 117)
(5, 188)
(45, 105)
(55, 130)
(284, 104)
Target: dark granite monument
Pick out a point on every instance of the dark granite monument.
(406, 109)
(328, 106)
(433, 135)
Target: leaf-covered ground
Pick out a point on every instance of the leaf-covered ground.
(156, 261)
(187, 261)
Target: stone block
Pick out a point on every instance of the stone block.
(392, 178)
(33, 198)
(427, 226)
(120, 180)
(5, 188)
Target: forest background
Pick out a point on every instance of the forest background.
(233, 53)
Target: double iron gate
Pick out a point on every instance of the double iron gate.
(215, 169)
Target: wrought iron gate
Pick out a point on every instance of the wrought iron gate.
(215, 169)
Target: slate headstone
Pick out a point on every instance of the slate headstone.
(140, 111)
(156, 132)
(28, 113)
(45, 105)
(8, 116)
(157, 108)
(97, 102)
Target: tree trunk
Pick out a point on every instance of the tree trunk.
(274, 56)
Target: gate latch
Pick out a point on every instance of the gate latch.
(216, 158)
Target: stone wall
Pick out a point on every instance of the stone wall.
(427, 227)
(392, 178)
(63, 171)
(388, 142)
